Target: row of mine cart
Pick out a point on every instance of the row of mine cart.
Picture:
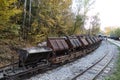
(58, 50)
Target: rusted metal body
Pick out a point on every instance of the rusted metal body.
(83, 41)
(32, 56)
(57, 44)
(75, 47)
(73, 42)
(85, 44)
(60, 49)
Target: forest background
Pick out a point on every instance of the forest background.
(24, 23)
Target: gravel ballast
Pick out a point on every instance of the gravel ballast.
(68, 71)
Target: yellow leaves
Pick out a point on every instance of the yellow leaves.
(54, 17)
(48, 20)
(108, 30)
(6, 3)
(51, 22)
(11, 1)
(42, 16)
(39, 35)
(2, 28)
(45, 30)
(7, 11)
(39, 38)
(58, 18)
(35, 24)
(17, 11)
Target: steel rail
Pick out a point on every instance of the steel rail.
(89, 67)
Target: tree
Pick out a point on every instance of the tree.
(95, 25)
(82, 8)
(78, 25)
(50, 18)
(108, 30)
(37, 19)
(8, 9)
(115, 32)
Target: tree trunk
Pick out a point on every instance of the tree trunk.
(30, 15)
(24, 21)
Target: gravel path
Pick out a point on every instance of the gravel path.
(68, 71)
(115, 42)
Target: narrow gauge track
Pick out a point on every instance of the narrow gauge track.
(21, 73)
(92, 72)
(7, 66)
(25, 73)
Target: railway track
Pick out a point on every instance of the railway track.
(84, 69)
(8, 65)
(18, 74)
(88, 74)
(22, 73)
(93, 71)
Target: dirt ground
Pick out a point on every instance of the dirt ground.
(8, 50)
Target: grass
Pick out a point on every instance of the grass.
(116, 73)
